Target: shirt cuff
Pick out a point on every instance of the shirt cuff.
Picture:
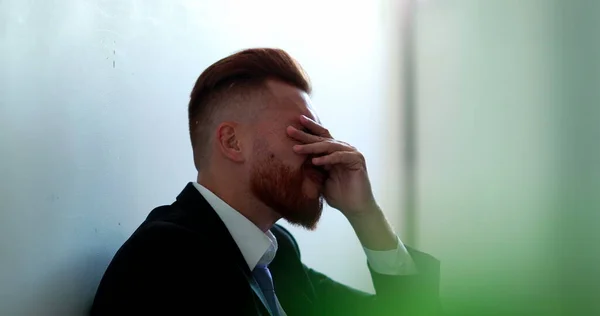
(391, 262)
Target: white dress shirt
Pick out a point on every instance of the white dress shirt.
(257, 246)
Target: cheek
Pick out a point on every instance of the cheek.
(288, 157)
(284, 152)
(293, 158)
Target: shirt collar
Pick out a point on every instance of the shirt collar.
(255, 245)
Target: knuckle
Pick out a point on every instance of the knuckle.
(360, 156)
(347, 145)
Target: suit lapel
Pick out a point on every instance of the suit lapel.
(292, 285)
(206, 220)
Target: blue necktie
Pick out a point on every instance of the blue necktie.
(265, 281)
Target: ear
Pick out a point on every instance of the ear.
(229, 142)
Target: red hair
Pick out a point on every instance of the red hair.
(244, 71)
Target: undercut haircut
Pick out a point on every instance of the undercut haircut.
(225, 87)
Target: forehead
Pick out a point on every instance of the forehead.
(289, 102)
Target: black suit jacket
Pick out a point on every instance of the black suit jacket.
(183, 261)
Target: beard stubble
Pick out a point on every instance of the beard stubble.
(281, 188)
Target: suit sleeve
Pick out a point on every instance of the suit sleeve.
(158, 271)
(415, 294)
(395, 294)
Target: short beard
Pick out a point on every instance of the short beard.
(281, 188)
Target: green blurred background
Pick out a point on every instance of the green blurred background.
(508, 158)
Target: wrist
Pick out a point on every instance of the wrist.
(373, 230)
(370, 212)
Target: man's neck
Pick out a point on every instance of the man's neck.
(242, 201)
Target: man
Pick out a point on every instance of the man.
(261, 155)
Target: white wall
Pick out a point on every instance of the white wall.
(93, 129)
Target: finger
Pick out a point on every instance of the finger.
(339, 157)
(320, 148)
(314, 127)
(302, 136)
